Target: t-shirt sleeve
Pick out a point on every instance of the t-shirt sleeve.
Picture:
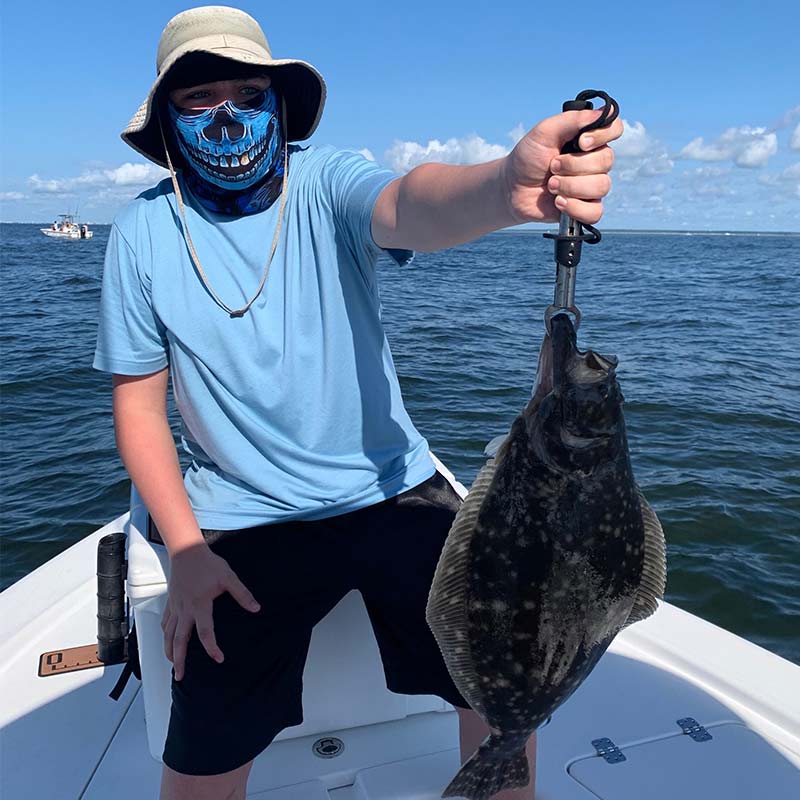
(131, 340)
(354, 184)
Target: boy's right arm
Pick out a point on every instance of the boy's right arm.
(197, 575)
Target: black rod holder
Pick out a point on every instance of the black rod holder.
(112, 615)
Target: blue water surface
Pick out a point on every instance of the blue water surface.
(705, 328)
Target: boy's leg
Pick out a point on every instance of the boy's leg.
(473, 730)
(224, 714)
(228, 786)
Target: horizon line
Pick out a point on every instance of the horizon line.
(522, 229)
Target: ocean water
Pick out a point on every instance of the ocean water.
(705, 328)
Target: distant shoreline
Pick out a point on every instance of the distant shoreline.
(639, 231)
(540, 230)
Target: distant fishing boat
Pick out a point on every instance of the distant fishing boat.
(65, 227)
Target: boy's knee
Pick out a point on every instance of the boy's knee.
(227, 786)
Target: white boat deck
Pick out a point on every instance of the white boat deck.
(62, 737)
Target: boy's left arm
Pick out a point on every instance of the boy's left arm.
(439, 205)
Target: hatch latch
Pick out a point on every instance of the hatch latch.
(691, 727)
(608, 750)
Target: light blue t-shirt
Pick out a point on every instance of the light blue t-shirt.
(292, 411)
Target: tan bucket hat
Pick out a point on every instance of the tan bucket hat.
(231, 34)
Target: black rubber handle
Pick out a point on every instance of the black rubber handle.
(112, 617)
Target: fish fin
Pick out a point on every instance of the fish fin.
(654, 570)
(493, 446)
(445, 612)
(487, 773)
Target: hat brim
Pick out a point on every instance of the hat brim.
(301, 86)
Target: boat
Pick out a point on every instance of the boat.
(65, 227)
(676, 708)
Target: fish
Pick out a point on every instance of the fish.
(552, 553)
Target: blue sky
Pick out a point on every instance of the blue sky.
(710, 96)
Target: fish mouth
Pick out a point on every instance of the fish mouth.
(575, 442)
(571, 365)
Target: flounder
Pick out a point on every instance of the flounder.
(553, 552)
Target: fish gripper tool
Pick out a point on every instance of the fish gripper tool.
(571, 236)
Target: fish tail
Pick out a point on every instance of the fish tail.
(489, 771)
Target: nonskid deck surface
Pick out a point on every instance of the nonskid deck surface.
(63, 737)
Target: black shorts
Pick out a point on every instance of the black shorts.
(224, 715)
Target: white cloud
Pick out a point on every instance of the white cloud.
(367, 153)
(792, 172)
(785, 183)
(705, 183)
(472, 149)
(135, 174)
(634, 140)
(51, 186)
(794, 142)
(12, 196)
(786, 120)
(746, 146)
(639, 154)
(124, 176)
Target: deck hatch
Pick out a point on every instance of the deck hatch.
(736, 763)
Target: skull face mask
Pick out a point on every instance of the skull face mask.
(230, 146)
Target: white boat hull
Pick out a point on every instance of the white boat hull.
(65, 234)
(62, 737)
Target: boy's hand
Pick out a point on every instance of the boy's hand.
(197, 576)
(541, 183)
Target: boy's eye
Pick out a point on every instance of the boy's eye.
(198, 95)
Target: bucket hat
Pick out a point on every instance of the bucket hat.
(232, 35)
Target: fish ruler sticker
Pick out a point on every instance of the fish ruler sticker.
(70, 659)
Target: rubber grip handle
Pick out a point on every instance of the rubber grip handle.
(112, 618)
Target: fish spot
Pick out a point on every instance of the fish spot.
(499, 605)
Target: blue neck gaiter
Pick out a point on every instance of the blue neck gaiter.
(234, 153)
